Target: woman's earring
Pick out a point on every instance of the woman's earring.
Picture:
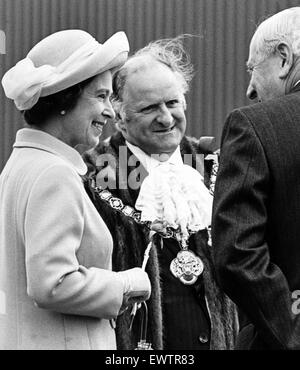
(63, 112)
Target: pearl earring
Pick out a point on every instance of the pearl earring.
(63, 112)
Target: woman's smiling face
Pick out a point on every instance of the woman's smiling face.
(84, 123)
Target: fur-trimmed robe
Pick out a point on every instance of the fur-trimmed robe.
(131, 239)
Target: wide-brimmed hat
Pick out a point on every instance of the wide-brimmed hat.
(59, 61)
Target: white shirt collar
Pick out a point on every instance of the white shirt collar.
(150, 162)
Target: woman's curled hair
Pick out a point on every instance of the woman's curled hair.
(51, 105)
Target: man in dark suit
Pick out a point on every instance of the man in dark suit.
(149, 99)
(256, 211)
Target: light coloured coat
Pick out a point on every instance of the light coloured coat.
(57, 290)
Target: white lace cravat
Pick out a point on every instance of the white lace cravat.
(175, 193)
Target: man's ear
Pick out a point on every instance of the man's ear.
(286, 55)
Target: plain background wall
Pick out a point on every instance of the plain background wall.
(224, 29)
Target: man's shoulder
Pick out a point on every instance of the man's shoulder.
(268, 121)
(271, 108)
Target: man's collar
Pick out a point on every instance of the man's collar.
(150, 162)
(31, 138)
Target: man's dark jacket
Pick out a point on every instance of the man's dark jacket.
(130, 241)
(256, 221)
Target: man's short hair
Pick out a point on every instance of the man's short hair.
(280, 27)
(169, 52)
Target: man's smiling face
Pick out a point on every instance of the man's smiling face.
(154, 105)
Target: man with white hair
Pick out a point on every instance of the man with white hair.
(256, 210)
(149, 98)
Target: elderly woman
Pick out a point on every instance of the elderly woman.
(57, 290)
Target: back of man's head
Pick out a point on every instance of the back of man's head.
(281, 27)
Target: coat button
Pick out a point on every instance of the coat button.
(203, 338)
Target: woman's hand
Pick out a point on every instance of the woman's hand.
(137, 287)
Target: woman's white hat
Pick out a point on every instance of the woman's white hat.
(59, 61)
